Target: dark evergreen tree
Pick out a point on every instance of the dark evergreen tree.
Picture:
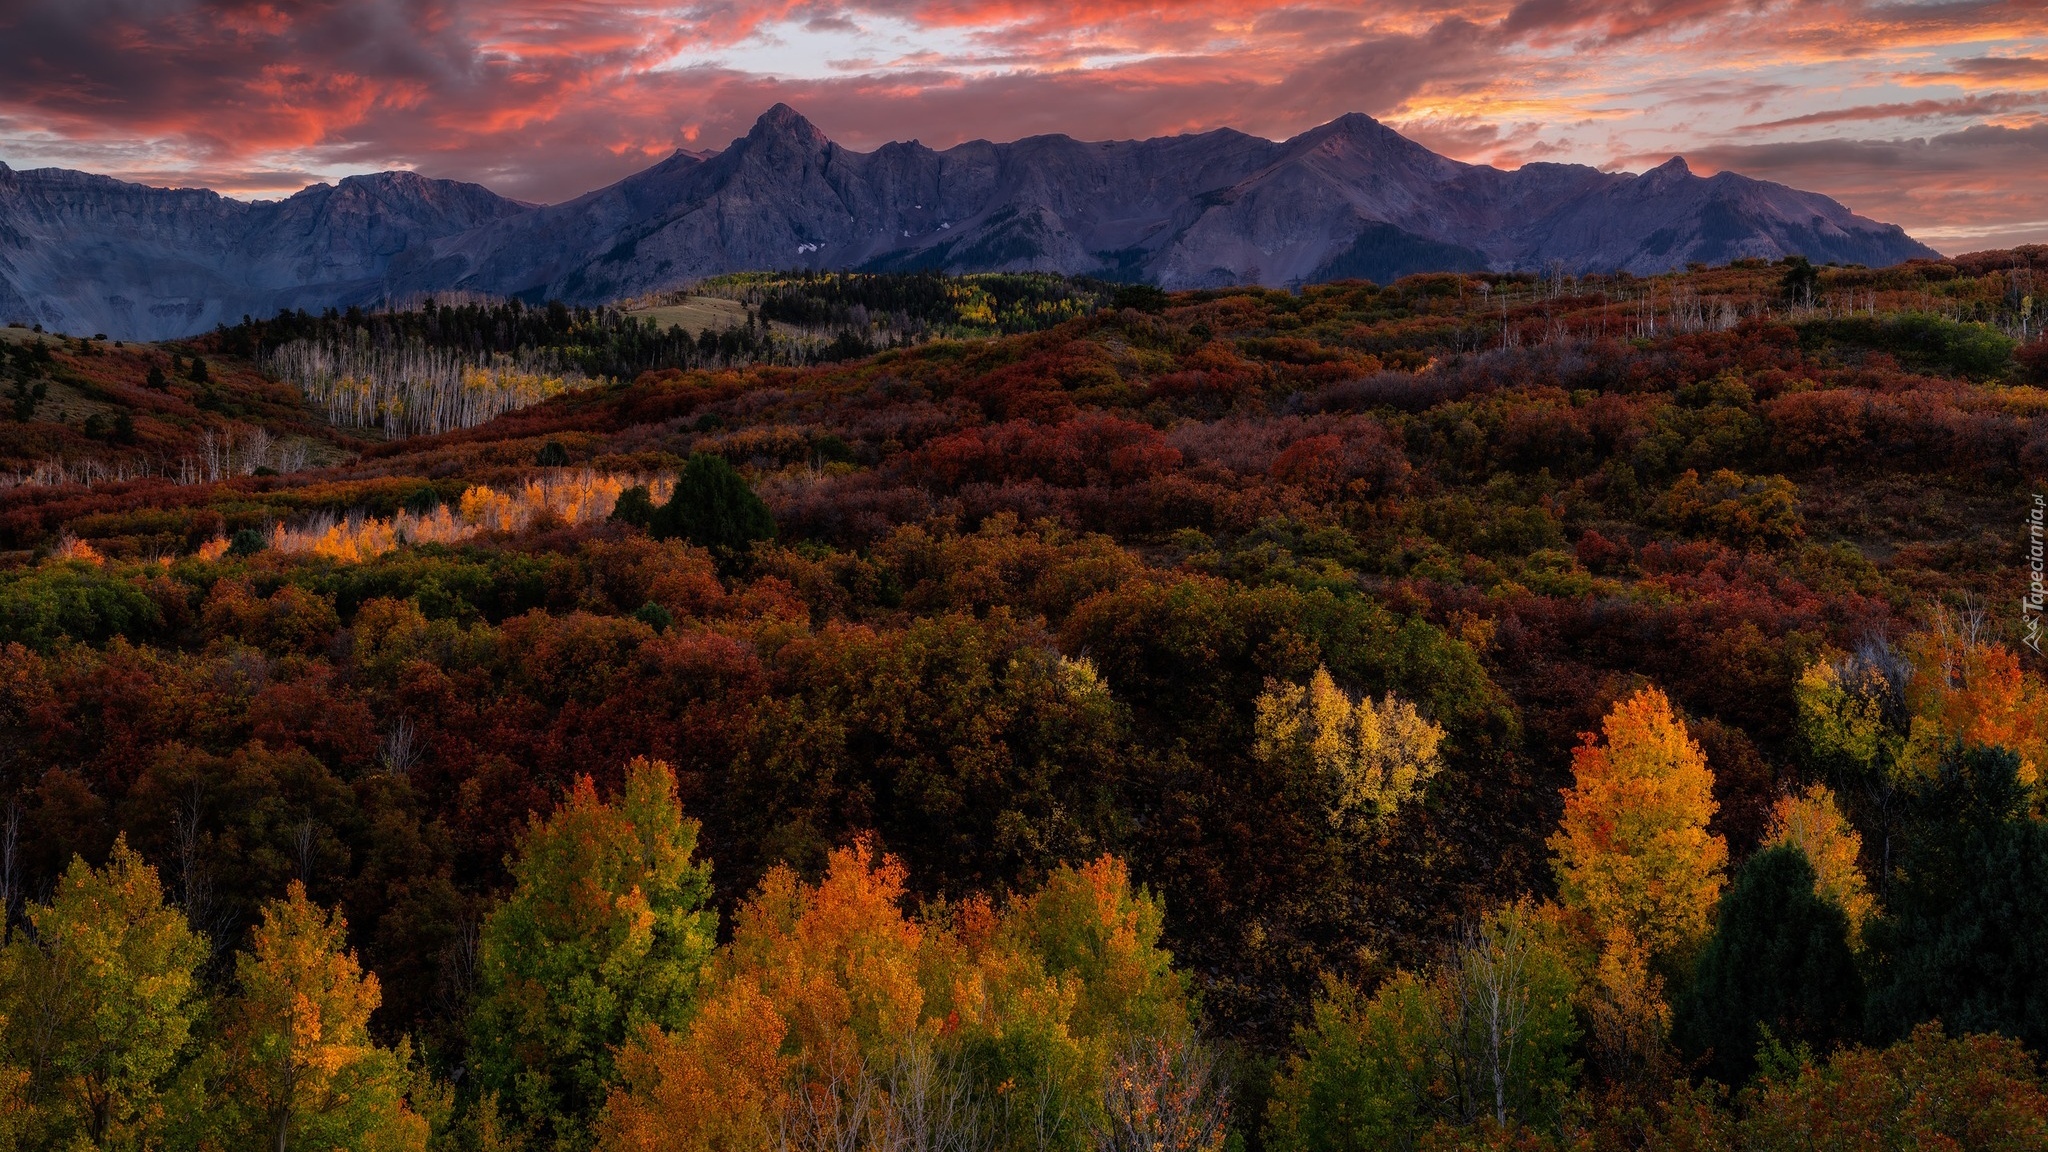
(713, 507)
(1965, 939)
(155, 380)
(198, 372)
(655, 616)
(635, 506)
(553, 455)
(1779, 959)
(27, 396)
(1142, 297)
(1801, 282)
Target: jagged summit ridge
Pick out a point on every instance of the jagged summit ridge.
(1351, 197)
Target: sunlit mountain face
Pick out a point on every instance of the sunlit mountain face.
(1930, 116)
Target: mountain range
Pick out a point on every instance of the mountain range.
(1352, 198)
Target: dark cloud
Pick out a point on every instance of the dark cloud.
(1968, 107)
(2001, 69)
(1607, 20)
(1973, 189)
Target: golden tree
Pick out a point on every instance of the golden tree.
(833, 1019)
(1370, 756)
(1812, 822)
(1633, 851)
(1628, 1017)
(303, 1070)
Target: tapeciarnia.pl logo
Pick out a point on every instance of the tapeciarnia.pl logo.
(2037, 574)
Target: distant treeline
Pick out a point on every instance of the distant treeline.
(917, 304)
(590, 341)
(840, 316)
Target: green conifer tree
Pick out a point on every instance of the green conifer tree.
(1965, 940)
(1779, 959)
(635, 506)
(712, 507)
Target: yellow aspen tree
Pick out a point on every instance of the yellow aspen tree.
(1842, 715)
(1633, 851)
(303, 1070)
(1813, 823)
(14, 1115)
(1370, 756)
(99, 1001)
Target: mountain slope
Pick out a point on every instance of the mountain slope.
(87, 254)
(1351, 198)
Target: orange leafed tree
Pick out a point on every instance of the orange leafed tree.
(1813, 823)
(835, 1020)
(720, 1087)
(304, 1071)
(1968, 689)
(1928, 1091)
(584, 497)
(1633, 851)
(817, 986)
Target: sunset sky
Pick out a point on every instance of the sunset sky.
(1930, 115)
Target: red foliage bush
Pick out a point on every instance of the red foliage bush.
(1096, 449)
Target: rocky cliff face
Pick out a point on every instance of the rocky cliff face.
(1350, 198)
(86, 254)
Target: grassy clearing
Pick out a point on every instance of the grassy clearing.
(698, 313)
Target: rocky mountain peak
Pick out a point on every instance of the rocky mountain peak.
(785, 124)
(1672, 171)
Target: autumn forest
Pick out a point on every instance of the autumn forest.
(1005, 713)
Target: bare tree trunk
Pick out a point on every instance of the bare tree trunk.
(303, 842)
(1487, 1017)
(10, 878)
(1163, 1096)
(831, 1113)
(932, 1105)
